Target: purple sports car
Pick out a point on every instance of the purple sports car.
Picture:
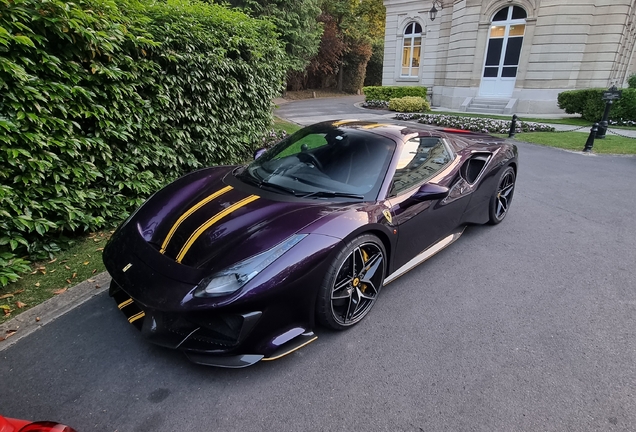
(238, 264)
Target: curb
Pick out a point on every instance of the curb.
(27, 322)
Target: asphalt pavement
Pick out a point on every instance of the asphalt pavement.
(525, 326)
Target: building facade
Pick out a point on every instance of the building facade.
(508, 56)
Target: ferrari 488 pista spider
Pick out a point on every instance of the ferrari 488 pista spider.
(238, 264)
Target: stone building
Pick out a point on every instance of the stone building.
(508, 55)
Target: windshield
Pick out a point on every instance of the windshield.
(324, 161)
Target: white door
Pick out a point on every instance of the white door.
(503, 52)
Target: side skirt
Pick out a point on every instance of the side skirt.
(423, 256)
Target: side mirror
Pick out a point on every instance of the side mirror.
(259, 152)
(430, 192)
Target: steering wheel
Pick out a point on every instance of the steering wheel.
(310, 158)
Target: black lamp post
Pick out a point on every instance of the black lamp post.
(432, 14)
(609, 97)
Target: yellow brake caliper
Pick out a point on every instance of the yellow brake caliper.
(365, 258)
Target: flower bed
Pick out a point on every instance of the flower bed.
(376, 104)
(621, 122)
(474, 124)
(271, 137)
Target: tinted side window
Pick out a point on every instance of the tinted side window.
(420, 159)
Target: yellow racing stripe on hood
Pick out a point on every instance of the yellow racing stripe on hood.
(195, 235)
(191, 210)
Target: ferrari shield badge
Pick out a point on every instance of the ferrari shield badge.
(387, 215)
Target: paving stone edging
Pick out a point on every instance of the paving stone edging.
(26, 323)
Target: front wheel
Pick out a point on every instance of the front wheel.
(502, 198)
(352, 284)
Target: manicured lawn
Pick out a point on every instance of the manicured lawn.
(53, 277)
(576, 141)
(290, 128)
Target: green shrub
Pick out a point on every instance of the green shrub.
(409, 104)
(101, 103)
(631, 81)
(590, 105)
(572, 101)
(389, 92)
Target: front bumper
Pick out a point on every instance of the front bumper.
(269, 317)
(206, 341)
(205, 338)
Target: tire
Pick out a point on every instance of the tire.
(352, 284)
(502, 198)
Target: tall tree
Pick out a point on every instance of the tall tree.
(297, 23)
(360, 23)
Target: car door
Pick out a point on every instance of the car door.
(417, 204)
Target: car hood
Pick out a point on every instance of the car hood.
(203, 222)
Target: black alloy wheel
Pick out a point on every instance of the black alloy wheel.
(501, 200)
(352, 284)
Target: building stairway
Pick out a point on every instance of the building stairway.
(483, 105)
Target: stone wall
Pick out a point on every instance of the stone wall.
(568, 44)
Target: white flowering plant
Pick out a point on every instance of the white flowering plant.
(272, 137)
(376, 104)
(474, 124)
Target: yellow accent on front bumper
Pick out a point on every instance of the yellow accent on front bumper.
(136, 317)
(124, 303)
(290, 351)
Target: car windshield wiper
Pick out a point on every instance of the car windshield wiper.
(329, 194)
(260, 183)
(276, 186)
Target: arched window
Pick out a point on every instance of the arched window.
(503, 52)
(411, 50)
(504, 45)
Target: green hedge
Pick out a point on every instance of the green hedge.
(590, 105)
(389, 92)
(409, 104)
(101, 103)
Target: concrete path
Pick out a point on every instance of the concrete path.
(308, 111)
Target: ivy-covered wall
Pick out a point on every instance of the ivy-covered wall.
(102, 102)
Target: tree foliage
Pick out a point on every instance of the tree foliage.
(296, 22)
(324, 66)
(352, 28)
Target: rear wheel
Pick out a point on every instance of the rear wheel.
(502, 198)
(352, 284)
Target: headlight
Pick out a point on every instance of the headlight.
(233, 278)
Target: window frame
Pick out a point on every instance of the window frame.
(412, 38)
(505, 38)
(415, 186)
